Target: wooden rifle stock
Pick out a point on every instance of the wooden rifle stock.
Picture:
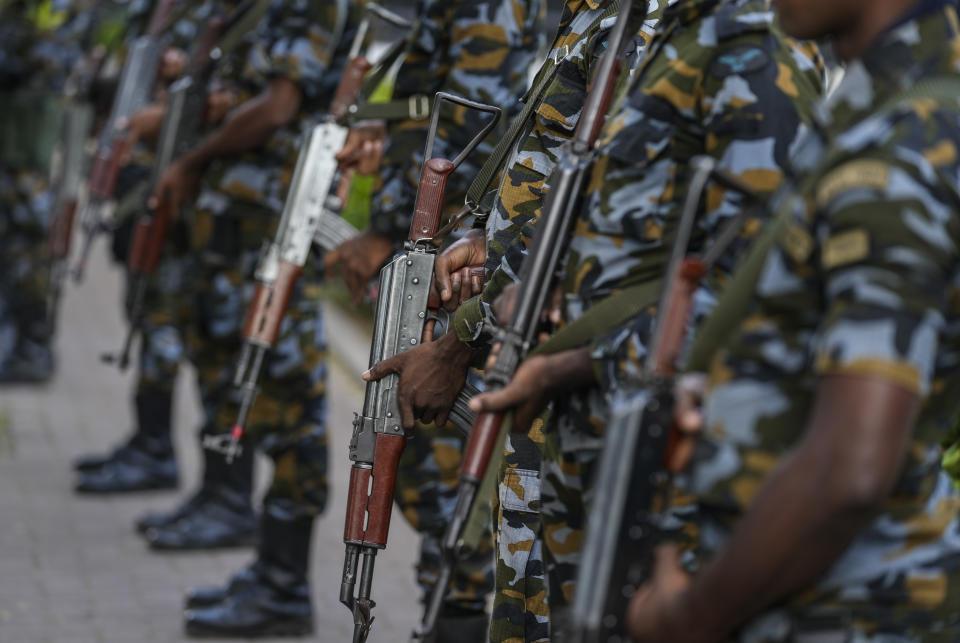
(480, 445)
(269, 305)
(676, 315)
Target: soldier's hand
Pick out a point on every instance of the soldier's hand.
(143, 125)
(451, 269)
(359, 260)
(656, 612)
(364, 147)
(538, 380)
(219, 103)
(551, 316)
(430, 378)
(172, 64)
(177, 185)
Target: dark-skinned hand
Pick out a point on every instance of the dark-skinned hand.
(656, 613)
(142, 125)
(178, 185)
(172, 64)
(430, 378)
(364, 144)
(359, 259)
(538, 380)
(450, 270)
(219, 103)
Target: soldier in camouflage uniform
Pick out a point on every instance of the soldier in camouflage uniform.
(520, 610)
(283, 75)
(823, 510)
(481, 51)
(36, 54)
(146, 459)
(718, 78)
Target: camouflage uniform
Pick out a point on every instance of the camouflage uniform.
(38, 46)
(236, 210)
(862, 280)
(718, 78)
(520, 609)
(480, 51)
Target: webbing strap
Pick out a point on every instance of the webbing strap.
(243, 25)
(733, 305)
(495, 162)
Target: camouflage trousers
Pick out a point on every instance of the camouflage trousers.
(521, 612)
(24, 212)
(426, 494)
(202, 301)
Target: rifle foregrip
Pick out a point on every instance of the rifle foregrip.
(482, 440)
(430, 197)
(138, 244)
(677, 315)
(356, 504)
(269, 306)
(108, 176)
(98, 171)
(389, 448)
(61, 232)
(349, 87)
(154, 243)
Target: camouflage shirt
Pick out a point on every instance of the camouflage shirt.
(480, 50)
(577, 47)
(863, 281)
(297, 41)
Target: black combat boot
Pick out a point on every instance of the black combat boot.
(145, 462)
(277, 601)
(244, 581)
(30, 363)
(219, 515)
(458, 625)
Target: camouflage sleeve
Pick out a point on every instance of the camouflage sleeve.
(299, 42)
(748, 109)
(479, 50)
(888, 245)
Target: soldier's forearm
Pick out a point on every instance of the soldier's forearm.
(250, 125)
(812, 507)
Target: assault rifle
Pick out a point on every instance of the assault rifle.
(309, 216)
(622, 529)
(183, 122)
(535, 284)
(378, 437)
(77, 121)
(137, 78)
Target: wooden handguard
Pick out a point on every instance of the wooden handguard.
(156, 236)
(138, 244)
(107, 175)
(61, 232)
(356, 504)
(480, 445)
(349, 87)
(677, 315)
(430, 197)
(98, 171)
(208, 40)
(386, 460)
(269, 306)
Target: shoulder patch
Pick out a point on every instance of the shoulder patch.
(856, 174)
(845, 248)
(742, 59)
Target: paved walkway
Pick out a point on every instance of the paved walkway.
(72, 569)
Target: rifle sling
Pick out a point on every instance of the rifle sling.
(495, 162)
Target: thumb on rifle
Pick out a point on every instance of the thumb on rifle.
(382, 369)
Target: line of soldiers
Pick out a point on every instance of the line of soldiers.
(716, 322)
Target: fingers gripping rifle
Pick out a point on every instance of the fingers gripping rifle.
(182, 126)
(622, 528)
(535, 284)
(137, 78)
(378, 437)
